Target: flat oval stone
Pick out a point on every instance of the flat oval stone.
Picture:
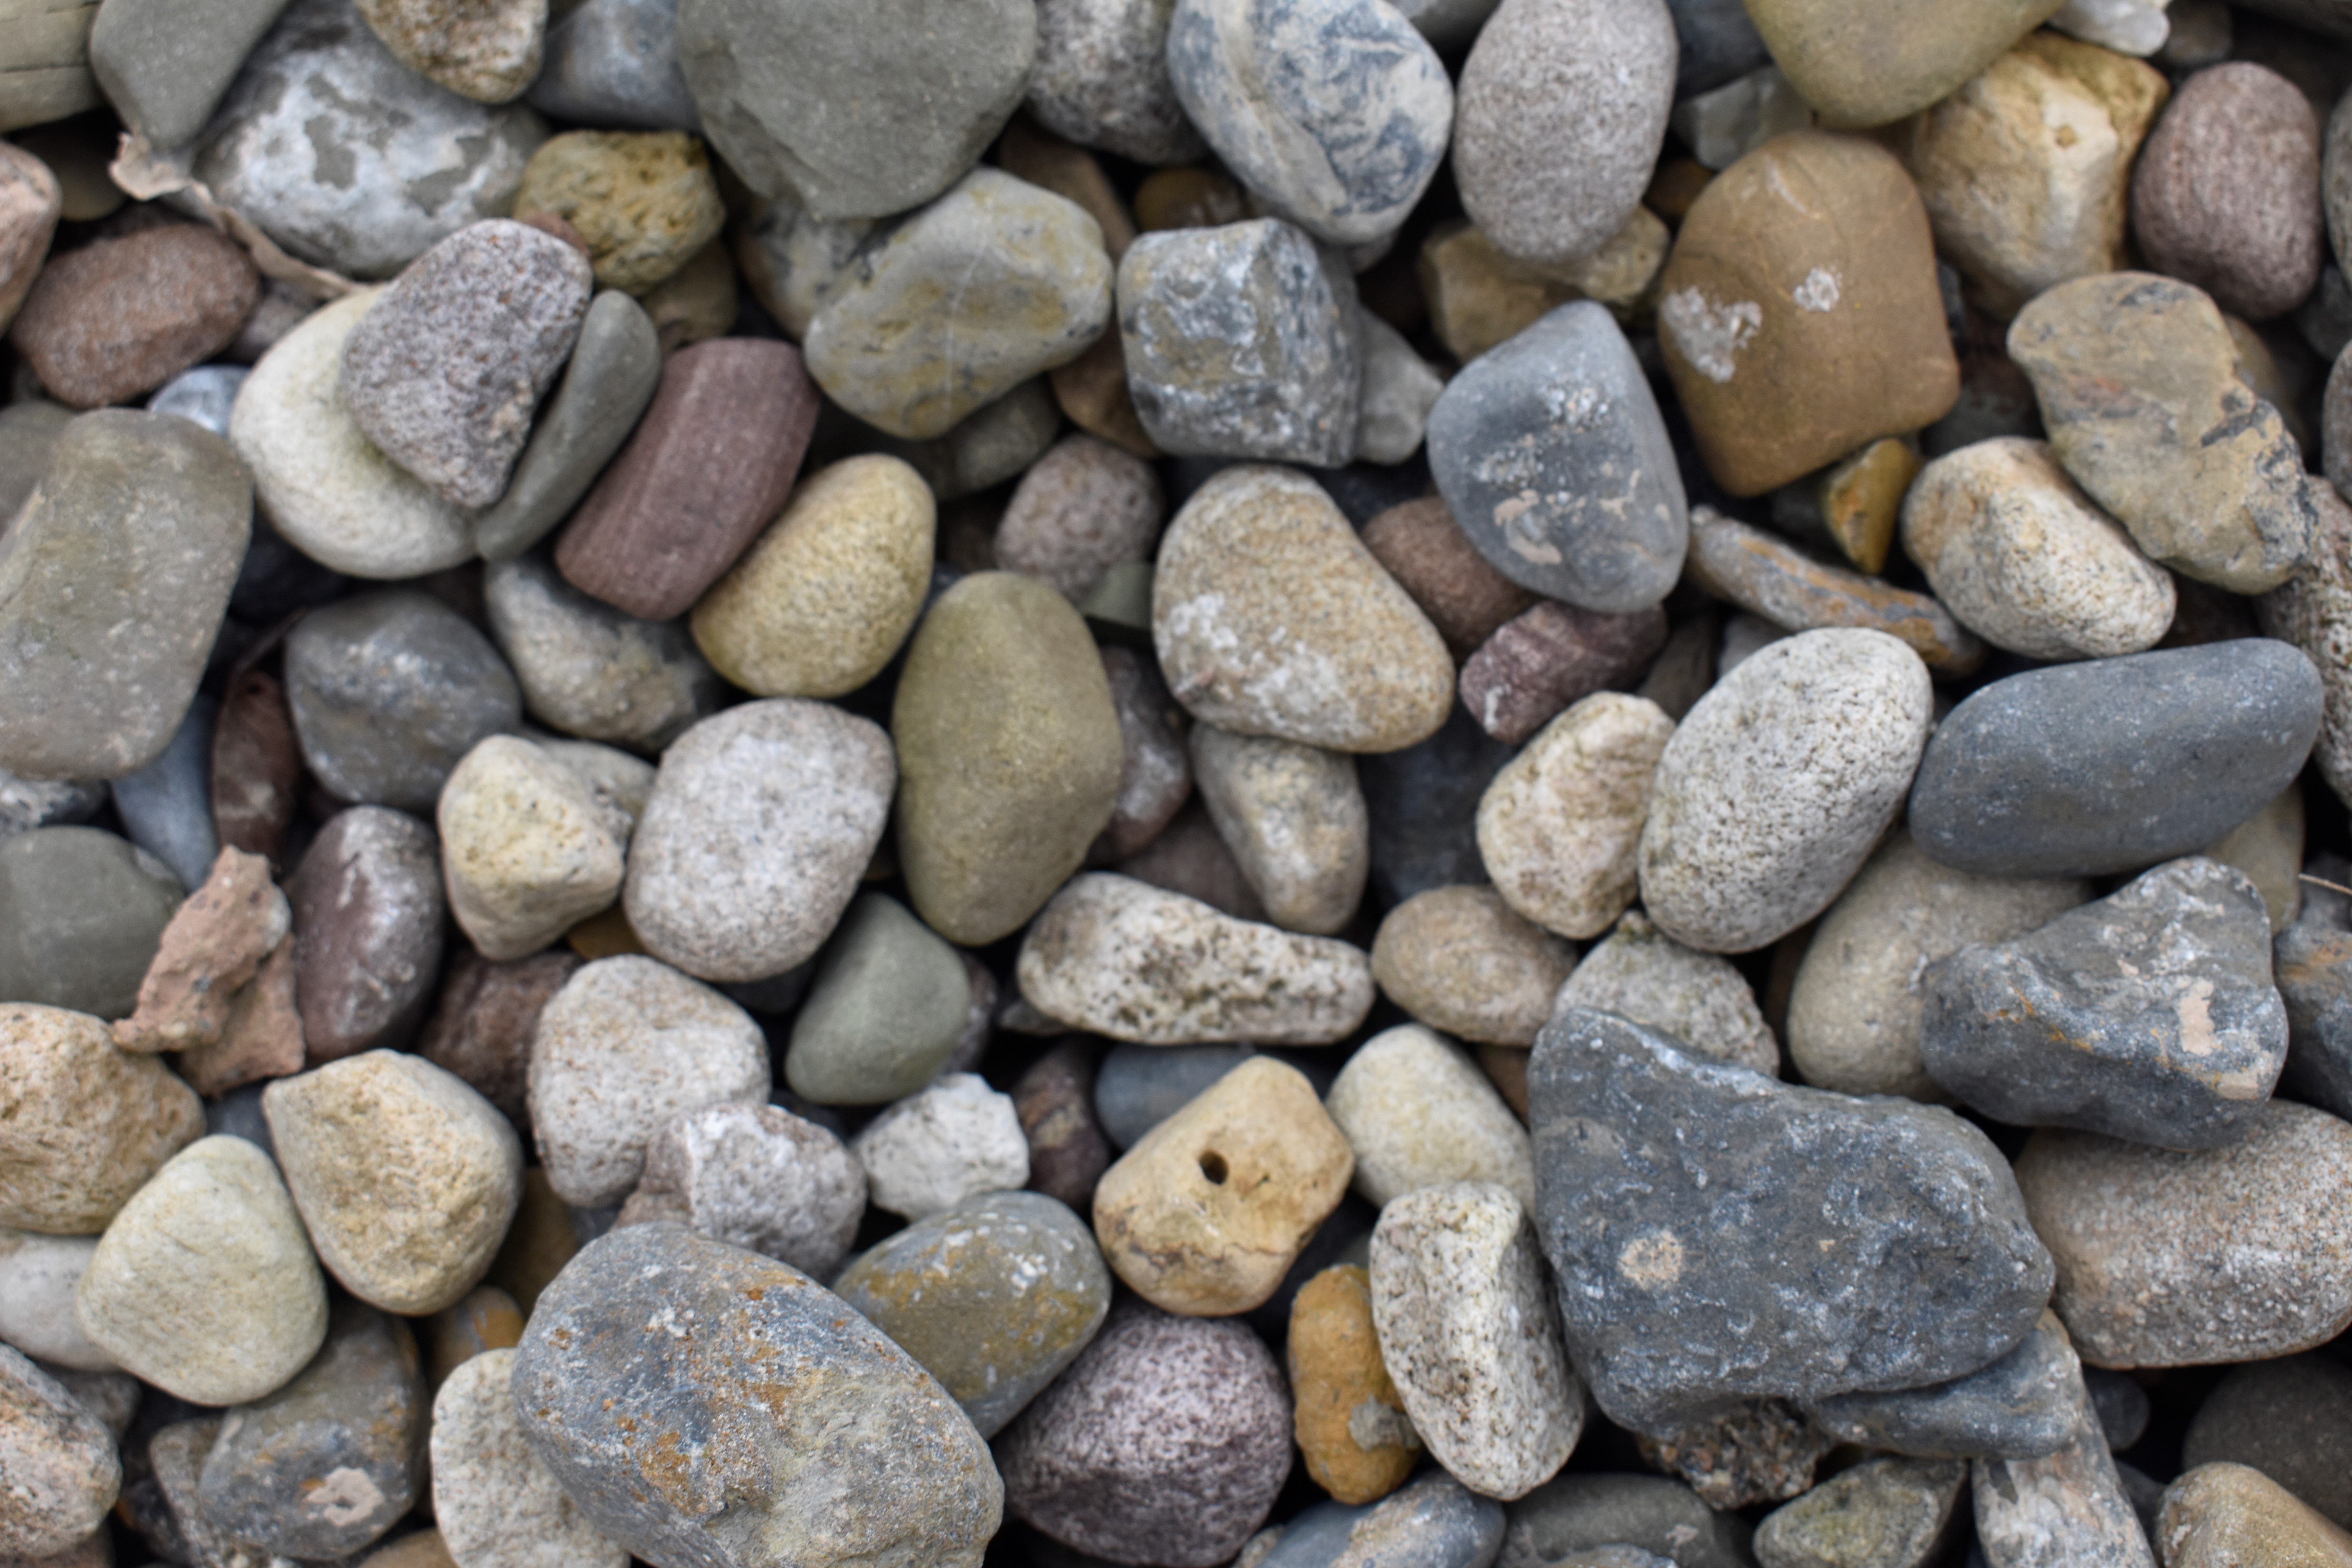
(1777, 787)
(1436, 1522)
(1782, 587)
(1647, 1159)
(994, 1295)
(1872, 63)
(83, 1126)
(1009, 755)
(591, 670)
(2104, 766)
(2226, 195)
(625, 1045)
(1559, 827)
(1574, 1518)
(754, 1176)
(1459, 959)
(492, 1498)
(119, 316)
(1271, 618)
(113, 580)
(1335, 114)
(1168, 1439)
(204, 1285)
(82, 912)
(367, 928)
(1124, 959)
(63, 1472)
(761, 821)
(1551, 454)
(885, 1009)
(802, 1433)
(2182, 1257)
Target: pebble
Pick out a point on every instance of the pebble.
(2021, 1407)
(2286, 1419)
(1784, 587)
(85, 1125)
(2070, 1507)
(1400, 388)
(1335, 114)
(615, 62)
(1418, 1113)
(886, 1008)
(1854, 503)
(487, 52)
(2226, 195)
(1725, 123)
(317, 478)
(2312, 610)
(1241, 342)
(2170, 1257)
(614, 368)
(954, 1140)
(443, 371)
(389, 690)
(1774, 390)
(1067, 1149)
(81, 913)
(1552, 657)
(938, 91)
(843, 1447)
(994, 1296)
(1155, 776)
(1168, 1440)
(1924, 1286)
(2108, 765)
(368, 905)
(1551, 454)
(406, 1178)
(1562, 111)
(1271, 618)
(327, 1464)
(1559, 825)
(1768, 798)
(1459, 959)
(1862, 65)
(1436, 1521)
(163, 76)
(1081, 508)
(1574, 1517)
(2216, 1514)
(2201, 471)
(523, 850)
(1121, 958)
(36, 1298)
(1140, 1087)
(2026, 169)
(1101, 79)
(118, 567)
(1888, 1512)
(643, 202)
(166, 806)
(2025, 560)
(63, 1473)
(121, 316)
(1477, 297)
(758, 1177)
(591, 670)
(1352, 1432)
(1295, 820)
(349, 159)
(496, 1504)
(1009, 755)
(204, 1285)
(1861, 993)
(1757, 1451)
(1468, 1330)
(215, 944)
(1421, 545)
(761, 823)
(1696, 999)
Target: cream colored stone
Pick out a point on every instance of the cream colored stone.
(1295, 820)
(1207, 1214)
(526, 852)
(1699, 998)
(1418, 1113)
(1459, 959)
(822, 600)
(498, 1506)
(82, 1125)
(1559, 828)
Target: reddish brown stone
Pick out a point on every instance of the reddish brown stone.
(1188, 197)
(1433, 559)
(1539, 663)
(1028, 151)
(263, 1038)
(213, 944)
(2226, 192)
(1056, 1100)
(257, 767)
(368, 915)
(482, 1028)
(29, 203)
(1092, 391)
(1189, 858)
(123, 316)
(709, 467)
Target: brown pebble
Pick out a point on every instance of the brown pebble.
(539, 1241)
(709, 467)
(1433, 559)
(1349, 1420)
(1092, 391)
(263, 1038)
(29, 203)
(1539, 663)
(2233, 1516)
(1029, 151)
(123, 316)
(2226, 192)
(1506, 1066)
(1769, 578)
(1762, 1451)
(215, 944)
(607, 935)
(481, 1029)
(1055, 1102)
(1188, 197)
(257, 767)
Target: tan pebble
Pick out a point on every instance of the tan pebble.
(1349, 1420)
(1559, 828)
(1458, 959)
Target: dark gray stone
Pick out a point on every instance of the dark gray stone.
(1583, 1512)
(2311, 965)
(2114, 763)
(389, 690)
(1335, 112)
(704, 1404)
(327, 1464)
(1434, 1522)
(166, 806)
(1241, 342)
(278, 579)
(2020, 1406)
(1718, 42)
(2147, 1014)
(1166, 1442)
(1551, 454)
(1137, 1088)
(613, 63)
(81, 912)
(2289, 1419)
(1673, 1194)
(2120, 1403)
(2324, 320)
(1424, 806)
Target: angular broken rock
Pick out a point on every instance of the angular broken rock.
(2068, 1508)
(2021, 1407)
(215, 944)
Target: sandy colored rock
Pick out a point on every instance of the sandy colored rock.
(1459, 959)
(1418, 1113)
(215, 943)
(525, 852)
(1869, 63)
(645, 200)
(1295, 820)
(1559, 828)
(1206, 1214)
(1698, 999)
(488, 51)
(1796, 331)
(2225, 1515)
(83, 1125)
(1348, 1420)
(1478, 296)
(496, 1505)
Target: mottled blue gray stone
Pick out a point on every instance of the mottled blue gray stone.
(1434, 1522)
(613, 63)
(1335, 112)
(166, 807)
(1586, 1511)
(1241, 342)
(1138, 1086)
(706, 1405)
(2114, 763)
(2311, 962)
(2021, 1407)
(1552, 455)
(1719, 1236)
(203, 395)
(2149, 1015)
